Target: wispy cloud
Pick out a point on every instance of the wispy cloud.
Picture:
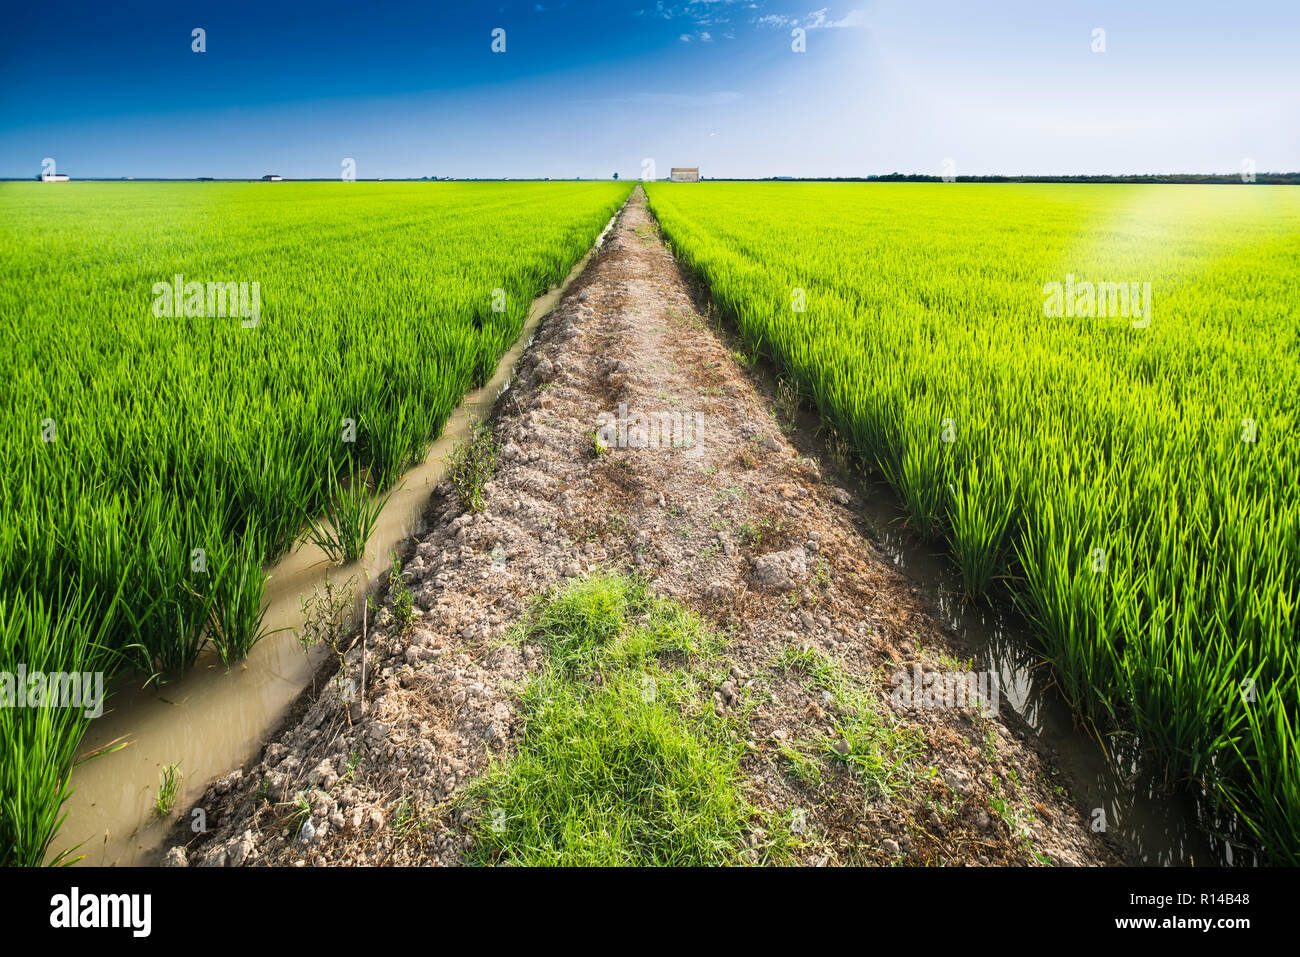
(694, 15)
(816, 20)
(702, 13)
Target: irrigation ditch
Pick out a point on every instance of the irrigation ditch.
(486, 735)
(214, 722)
(213, 719)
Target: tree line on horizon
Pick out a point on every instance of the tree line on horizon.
(1283, 179)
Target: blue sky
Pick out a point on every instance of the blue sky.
(589, 89)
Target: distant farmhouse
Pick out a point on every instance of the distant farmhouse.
(53, 177)
(272, 177)
(684, 174)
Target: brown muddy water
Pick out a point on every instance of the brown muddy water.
(213, 720)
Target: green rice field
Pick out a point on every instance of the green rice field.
(1128, 476)
(1085, 394)
(170, 428)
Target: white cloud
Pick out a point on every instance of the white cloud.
(816, 20)
(702, 13)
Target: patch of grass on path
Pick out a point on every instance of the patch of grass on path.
(622, 761)
(878, 752)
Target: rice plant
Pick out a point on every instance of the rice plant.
(350, 517)
(38, 743)
(1129, 482)
(161, 447)
(169, 784)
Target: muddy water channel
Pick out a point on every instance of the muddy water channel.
(1152, 825)
(214, 720)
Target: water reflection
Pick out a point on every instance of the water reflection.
(1154, 824)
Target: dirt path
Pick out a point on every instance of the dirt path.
(728, 520)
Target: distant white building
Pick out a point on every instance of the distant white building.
(272, 177)
(684, 174)
(54, 177)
